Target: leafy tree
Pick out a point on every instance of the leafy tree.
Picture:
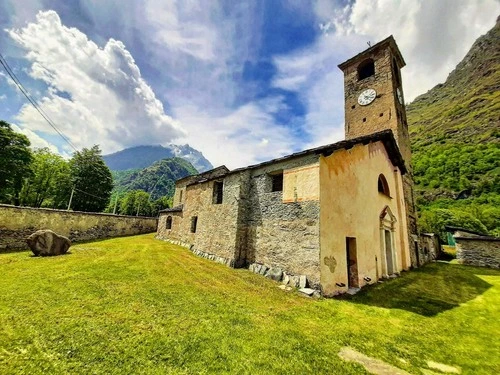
(91, 180)
(136, 202)
(50, 179)
(160, 204)
(435, 220)
(15, 162)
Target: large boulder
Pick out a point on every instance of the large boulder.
(45, 243)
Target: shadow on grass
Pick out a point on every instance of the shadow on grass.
(429, 290)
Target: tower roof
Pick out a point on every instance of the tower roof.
(387, 42)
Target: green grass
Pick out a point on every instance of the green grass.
(138, 305)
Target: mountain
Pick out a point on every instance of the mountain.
(158, 179)
(455, 134)
(143, 156)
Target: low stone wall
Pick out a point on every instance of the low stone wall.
(479, 251)
(17, 223)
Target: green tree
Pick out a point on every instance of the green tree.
(15, 162)
(91, 180)
(50, 178)
(435, 220)
(160, 204)
(136, 202)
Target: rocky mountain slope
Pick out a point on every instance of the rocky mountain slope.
(455, 134)
(157, 179)
(143, 156)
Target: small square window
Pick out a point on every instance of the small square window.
(169, 222)
(194, 222)
(277, 182)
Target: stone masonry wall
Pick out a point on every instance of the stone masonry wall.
(217, 224)
(17, 223)
(478, 251)
(282, 235)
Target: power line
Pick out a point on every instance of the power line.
(42, 113)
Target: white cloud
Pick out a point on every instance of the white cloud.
(433, 36)
(35, 139)
(96, 95)
(244, 136)
(2, 97)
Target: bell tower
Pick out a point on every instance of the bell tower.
(374, 94)
(373, 97)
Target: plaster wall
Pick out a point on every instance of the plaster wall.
(17, 223)
(351, 206)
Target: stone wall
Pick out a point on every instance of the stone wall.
(217, 224)
(284, 233)
(17, 223)
(479, 251)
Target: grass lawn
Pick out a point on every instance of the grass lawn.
(138, 305)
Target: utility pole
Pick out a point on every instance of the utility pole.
(71, 198)
(116, 202)
(138, 205)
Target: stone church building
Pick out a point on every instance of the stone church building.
(342, 214)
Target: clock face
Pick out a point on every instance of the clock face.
(400, 95)
(367, 96)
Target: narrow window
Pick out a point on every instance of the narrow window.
(194, 221)
(169, 222)
(277, 182)
(218, 191)
(395, 70)
(366, 69)
(383, 186)
(180, 196)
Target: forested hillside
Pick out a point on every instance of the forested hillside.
(455, 134)
(157, 179)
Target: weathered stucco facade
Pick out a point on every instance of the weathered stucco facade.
(304, 225)
(340, 215)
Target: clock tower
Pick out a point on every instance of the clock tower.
(374, 102)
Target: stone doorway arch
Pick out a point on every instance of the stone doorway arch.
(387, 242)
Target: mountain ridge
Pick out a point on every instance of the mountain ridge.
(455, 139)
(139, 157)
(157, 179)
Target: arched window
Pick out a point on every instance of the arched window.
(169, 222)
(383, 186)
(366, 69)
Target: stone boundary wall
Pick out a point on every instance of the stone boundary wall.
(17, 223)
(478, 251)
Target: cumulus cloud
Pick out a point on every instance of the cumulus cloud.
(35, 139)
(96, 95)
(433, 36)
(243, 136)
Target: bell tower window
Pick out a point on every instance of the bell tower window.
(396, 72)
(366, 69)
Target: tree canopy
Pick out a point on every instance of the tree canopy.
(91, 180)
(15, 162)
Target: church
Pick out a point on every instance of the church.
(338, 217)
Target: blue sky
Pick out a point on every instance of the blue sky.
(241, 81)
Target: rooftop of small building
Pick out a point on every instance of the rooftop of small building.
(385, 136)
